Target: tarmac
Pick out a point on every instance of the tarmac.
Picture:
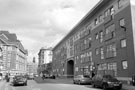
(70, 81)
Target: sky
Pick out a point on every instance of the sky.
(41, 23)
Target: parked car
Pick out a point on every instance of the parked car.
(19, 80)
(82, 79)
(47, 76)
(30, 77)
(106, 82)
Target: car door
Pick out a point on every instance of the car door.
(98, 80)
(95, 79)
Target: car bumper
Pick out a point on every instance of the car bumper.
(115, 86)
(85, 82)
(19, 83)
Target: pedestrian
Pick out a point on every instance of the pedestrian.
(0, 76)
(7, 77)
(43, 77)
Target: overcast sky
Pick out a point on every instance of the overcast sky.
(39, 23)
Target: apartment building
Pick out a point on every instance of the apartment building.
(13, 55)
(102, 40)
(44, 57)
(32, 68)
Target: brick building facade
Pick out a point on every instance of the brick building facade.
(102, 40)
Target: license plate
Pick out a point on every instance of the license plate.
(20, 82)
(116, 84)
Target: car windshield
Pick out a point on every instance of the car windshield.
(109, 77)
(19, 77)
(86, 76)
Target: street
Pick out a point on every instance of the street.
(50, 84)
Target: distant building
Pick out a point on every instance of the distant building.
(44, 57)
(103, 40)
(13, 57)
(32, 68)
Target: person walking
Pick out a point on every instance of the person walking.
(7, 77)
(0, 76)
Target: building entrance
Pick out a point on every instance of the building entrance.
(70, 68)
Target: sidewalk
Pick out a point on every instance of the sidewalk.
(128, 87)
(1, 83)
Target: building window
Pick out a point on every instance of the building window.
(113, 66)
(102, 52)
(111, 51)
(121, 3)
(81, 58)
(110, 32)
(110, 29)
(124, 64)
(96, 36)
(101, 18)
(90, 56)
(102, 66)
(96, 21)
(107, 13)
(76, 69)
(123, 43)
(101, 36)
(122, 22)
(97, 51)
(112, 10)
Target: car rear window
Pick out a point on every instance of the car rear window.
(86, 76)
(108, 77)
(19, 77)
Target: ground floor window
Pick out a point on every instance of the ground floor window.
(113, 66)
(108, 66)
(124, 64)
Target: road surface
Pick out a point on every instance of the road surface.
(49, 85)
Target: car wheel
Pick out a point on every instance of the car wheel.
(105, 86)
(74, 82)
(13, 84)
(25, 84)
(93, 85)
